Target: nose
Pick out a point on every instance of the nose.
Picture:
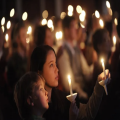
(57, 69)
(46, 93)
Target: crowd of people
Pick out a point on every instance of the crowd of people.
(33, 76)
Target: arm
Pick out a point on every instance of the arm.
(88, 111)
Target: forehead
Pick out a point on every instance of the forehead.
(39, 83)
(50, 56)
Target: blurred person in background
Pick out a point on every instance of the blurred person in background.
(43, 36)
(17, 63)
(71, 60)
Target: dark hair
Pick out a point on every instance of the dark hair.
(15, 33)
(66, 21)
(23, 89)
(98, 38)
(38, 57)
(39, 35)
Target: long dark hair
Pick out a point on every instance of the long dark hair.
(38, 57)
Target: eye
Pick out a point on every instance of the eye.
(51, 65)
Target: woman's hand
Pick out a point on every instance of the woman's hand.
(102, 77)
(73, 111)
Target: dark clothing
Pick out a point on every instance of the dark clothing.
(59, 107)
(17, 66)
(33, 117)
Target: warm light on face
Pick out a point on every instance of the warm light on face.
(101, 23)
(114, 40)
(6, 37)
(44, 22)
(8, 25)
(115, 21)
(12, 12)
(45, 14)
(97, 14)
(70, 8)
(24, 16)
(108, 4)
(62, 15)
(79, 9)
(3, 21)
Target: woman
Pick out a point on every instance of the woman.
(43, 61)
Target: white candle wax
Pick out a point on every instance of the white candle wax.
(69, 81)
(103, 67)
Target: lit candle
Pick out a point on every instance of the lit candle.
(114, 41)
(6, 38)
(69, 81)
(101, 23)
(97, 14)
(103, 67)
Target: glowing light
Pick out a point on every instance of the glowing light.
(114, 40)
(27, 40)
(6, 37)
(45, 14)
(82, 17)
(70, 8)
(50, 23)
(70, 13)
(116, 21)
(3, 21)
(24, 16)
(8, 25)
(108, 4)
(82, 26)
(3, 29)
(29, 30)
(69, 81)
(44, 22)
(79, 9)
(101, 23)
(83, 13)
(59, 35)
(12, 12)
(62, 15)
(97, 14)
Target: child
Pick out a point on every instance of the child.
(30, 96)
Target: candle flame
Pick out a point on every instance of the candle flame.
(108, 4)
(97, 14)
(69, 80)
(101, 23)
(6, 37)
(115, 21)
(114, 40)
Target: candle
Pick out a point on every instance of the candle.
(69, 81)
(97, 14)
(103, 67)
(114, 41)
(101, 23)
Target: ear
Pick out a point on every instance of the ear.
(30, 101)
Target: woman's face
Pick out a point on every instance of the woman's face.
(50, 70)
(48, 38)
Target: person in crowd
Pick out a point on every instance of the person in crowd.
(17, 63)
(3, 64)
(43, 36)
(72, 61)
(43, 61)
(31, 97)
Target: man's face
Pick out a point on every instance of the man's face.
(73, 30)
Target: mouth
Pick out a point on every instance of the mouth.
(56, 77)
